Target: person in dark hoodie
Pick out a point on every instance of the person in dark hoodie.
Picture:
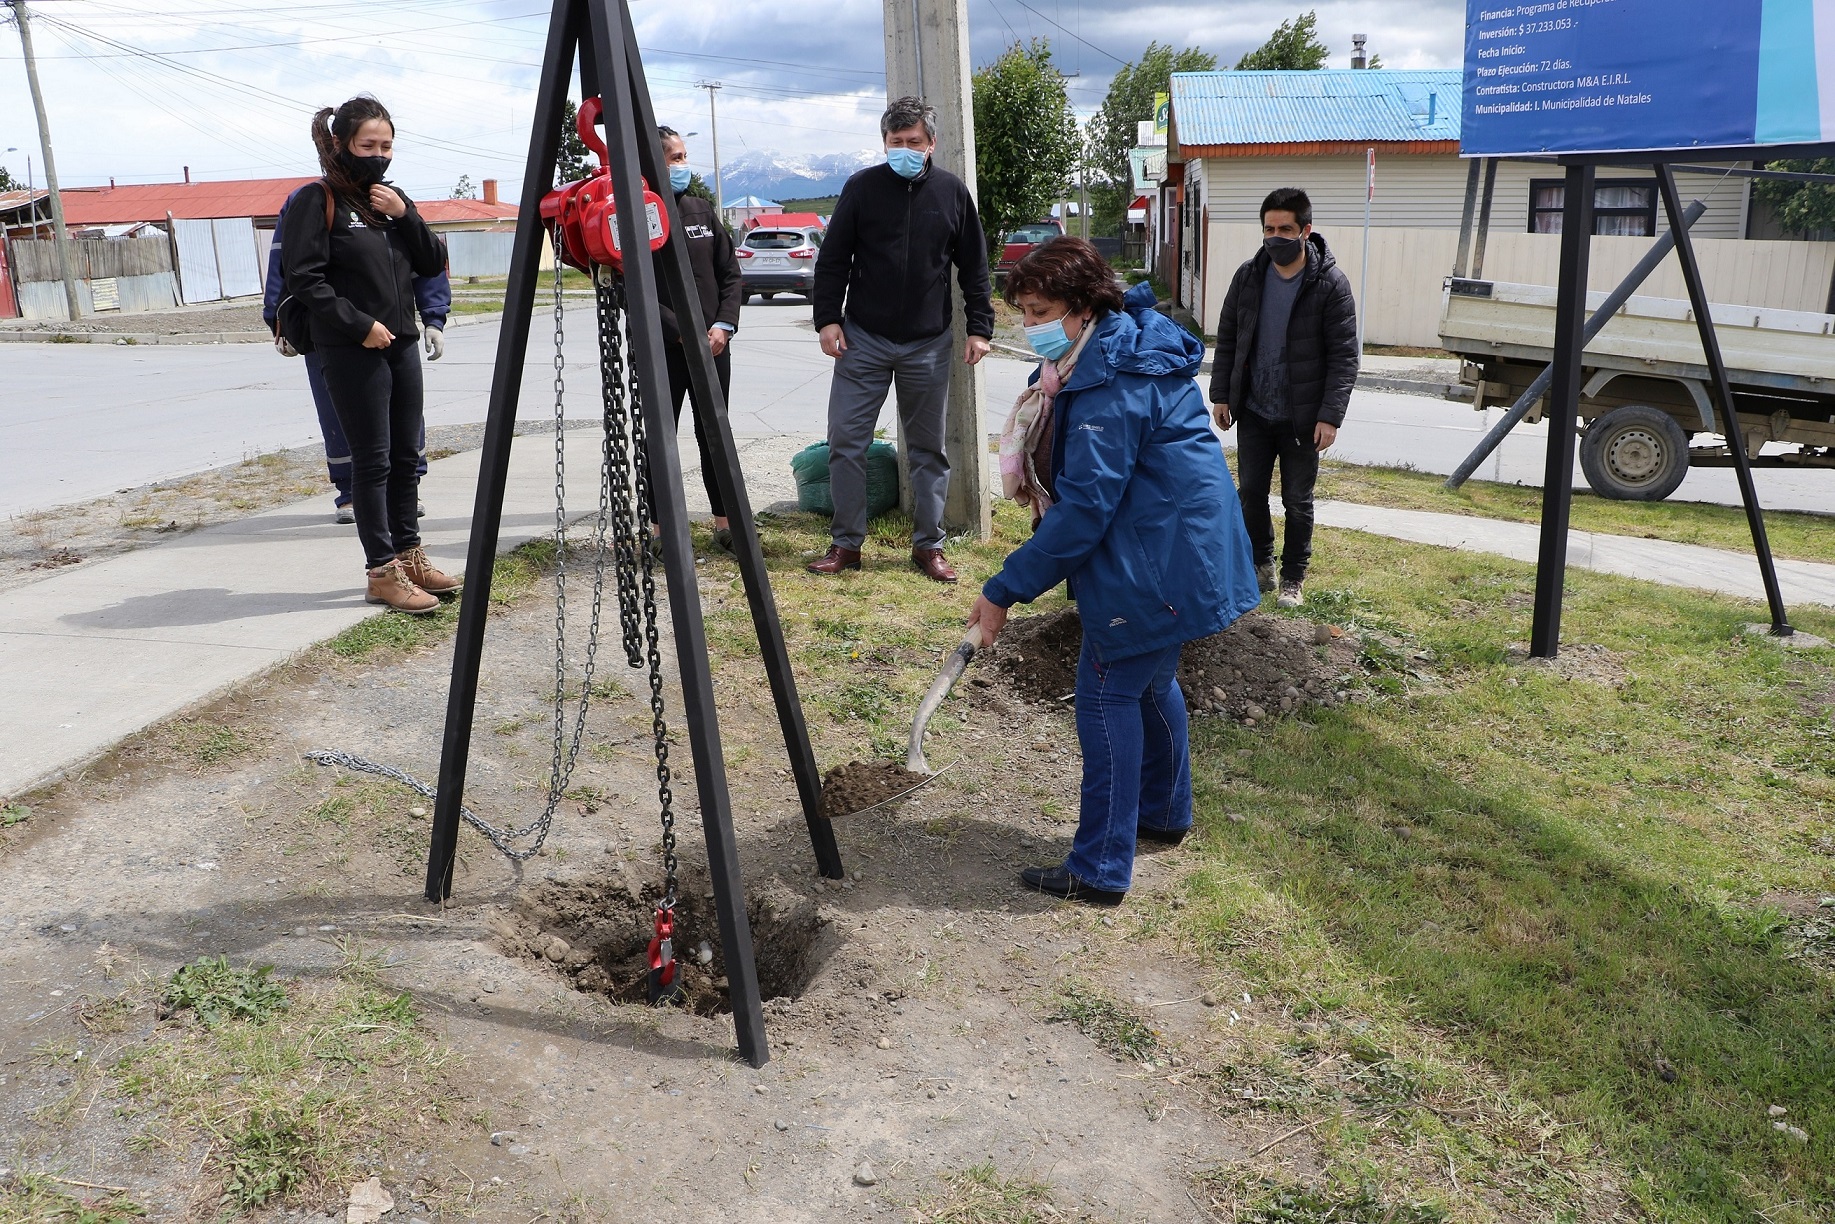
(1285, 364)
(433, 299)
(350, 251)
(717, 283)
(1135, 510)
(882, 306)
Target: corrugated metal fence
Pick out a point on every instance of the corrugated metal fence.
(140, 270)
(217, 259)
(482, 253)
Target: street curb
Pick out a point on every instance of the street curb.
(21, 336)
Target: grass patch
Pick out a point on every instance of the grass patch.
(980, 1195)
(202, 744)
(219, 993)
(284, 1084)
(14, 814)
(1802, 536)
(1268, 1201)
(1119, 1031)
(1547, 894)
(36, 1198)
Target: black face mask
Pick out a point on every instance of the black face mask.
(1284, 250)
(364, 170)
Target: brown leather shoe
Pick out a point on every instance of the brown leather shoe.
(421, 573)
(835, 560)
(930, 563)
(390, 584)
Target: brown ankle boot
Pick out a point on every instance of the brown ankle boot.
(421, 573)
(930, 563)
(835, 560)
(390, 585)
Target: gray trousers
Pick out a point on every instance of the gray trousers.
(863, 375)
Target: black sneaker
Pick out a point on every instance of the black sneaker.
(1059, 882)
(1166, 837)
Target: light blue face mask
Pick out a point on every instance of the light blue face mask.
(679, 178)
(907, 163)
(1048, 339)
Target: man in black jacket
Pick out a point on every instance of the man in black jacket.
(882, 305)
(1285, 364)
(716, 278)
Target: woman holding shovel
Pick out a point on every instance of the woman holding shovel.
(1133, 504)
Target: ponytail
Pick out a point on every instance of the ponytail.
(330, 130)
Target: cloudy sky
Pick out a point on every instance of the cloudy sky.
(138, 89)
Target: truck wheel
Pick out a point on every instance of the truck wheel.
(1634, 453)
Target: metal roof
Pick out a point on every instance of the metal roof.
(152, 201)
(448, 212)
(1380, 105)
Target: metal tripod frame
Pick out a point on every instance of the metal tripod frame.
(1567, 377)
(601, 34)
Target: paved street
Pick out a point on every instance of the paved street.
(79, 421)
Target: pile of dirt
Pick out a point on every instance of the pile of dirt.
(598, 933)
(1260, 667)
(859, 785)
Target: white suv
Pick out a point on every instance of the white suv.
(774, 261)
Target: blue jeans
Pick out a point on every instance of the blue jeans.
(337, 450)
(1132, 726)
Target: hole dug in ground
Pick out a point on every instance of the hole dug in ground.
(598, 932)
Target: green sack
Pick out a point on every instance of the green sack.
(810, 466)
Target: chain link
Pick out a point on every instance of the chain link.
(621, 530)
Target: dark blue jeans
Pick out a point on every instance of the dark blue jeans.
(337, 450)
(377, 395)
(1132, 726)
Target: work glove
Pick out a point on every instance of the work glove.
(283, 348)
(436, 343)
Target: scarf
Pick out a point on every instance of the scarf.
(1025, 443)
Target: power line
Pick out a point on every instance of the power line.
(1078, 37)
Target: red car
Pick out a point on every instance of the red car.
(1022, 240)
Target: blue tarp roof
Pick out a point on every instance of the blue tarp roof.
(1291, 107)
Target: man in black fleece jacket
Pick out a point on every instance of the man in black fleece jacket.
(1285, 364)
(882, 305)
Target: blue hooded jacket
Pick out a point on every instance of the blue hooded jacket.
(1147, 528)
(432, 294)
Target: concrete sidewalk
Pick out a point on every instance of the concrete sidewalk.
(92, 655)
(1682, 565)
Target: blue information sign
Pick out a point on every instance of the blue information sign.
(1608, 76)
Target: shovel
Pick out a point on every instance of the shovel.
(939, 689)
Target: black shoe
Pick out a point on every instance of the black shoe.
(1166, 837)
(1058, 882)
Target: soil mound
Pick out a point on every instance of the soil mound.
(1260, 667)
(598, 933)
(859, 785)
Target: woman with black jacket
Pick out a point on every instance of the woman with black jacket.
(716, 277)
(349, 250)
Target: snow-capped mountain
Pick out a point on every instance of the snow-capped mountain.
(793, 176)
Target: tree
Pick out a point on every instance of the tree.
(697, 186)
(573, 162)
(8, 182)
(463, 190)
(1113, 130)
(1800, 208)
(1026, 138)
(1294, 44)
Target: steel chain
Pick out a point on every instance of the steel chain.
(624, 514)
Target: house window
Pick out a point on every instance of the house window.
(1623, 207)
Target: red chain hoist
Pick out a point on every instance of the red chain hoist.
(582, 216)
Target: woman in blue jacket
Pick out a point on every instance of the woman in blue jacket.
(1140, 517)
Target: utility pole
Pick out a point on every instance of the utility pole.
(60, 236)
(713, 128)
(927, 57)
